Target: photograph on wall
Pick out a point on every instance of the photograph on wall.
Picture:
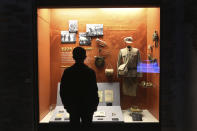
(94, 29)
(67, 37)
(84, 39)
(73, 26)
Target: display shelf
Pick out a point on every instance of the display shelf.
(147, 117)
(112, 114)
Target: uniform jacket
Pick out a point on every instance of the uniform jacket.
(78, 88)
(133, 58)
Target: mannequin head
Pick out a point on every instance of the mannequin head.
(128, 41)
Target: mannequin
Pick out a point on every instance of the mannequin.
(132, 56)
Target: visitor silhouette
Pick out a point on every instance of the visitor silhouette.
(79, 92)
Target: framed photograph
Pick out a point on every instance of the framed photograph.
(73, 26)
(94, 29)
(84, 39)
(67, 37)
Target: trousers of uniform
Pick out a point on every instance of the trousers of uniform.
(129, 86)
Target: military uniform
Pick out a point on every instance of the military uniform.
(132, 56)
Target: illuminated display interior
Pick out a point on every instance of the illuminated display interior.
(111, 26)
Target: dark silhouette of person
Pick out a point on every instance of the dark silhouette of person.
(79, 91)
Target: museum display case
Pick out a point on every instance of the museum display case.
(123, 48)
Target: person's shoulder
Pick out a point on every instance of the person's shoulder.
(68, 69)
(89, 69)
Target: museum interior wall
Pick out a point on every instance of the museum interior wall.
(139, 23)
(44, 61)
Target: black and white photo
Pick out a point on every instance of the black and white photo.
(94, 29)
(84, 39)
(67, 37)
(73, 26)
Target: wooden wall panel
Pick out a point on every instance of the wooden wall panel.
(44, 61)
(153, 23)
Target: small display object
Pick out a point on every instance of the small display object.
(115, 119)
(136, 113)
(100, 94)
(67, 37)
(73, 26)
(101, 43)
(59, 115)
(84, 39)
(99, 61)
(108, 103)
(109, 72)
(109, 96)
(113, 114)
(61, 111)
(135, 109)
(57, 119)
(136, 116)
(99, 114)
(94, 29)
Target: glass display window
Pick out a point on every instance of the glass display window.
(123, 48)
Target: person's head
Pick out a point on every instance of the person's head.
(79, 54)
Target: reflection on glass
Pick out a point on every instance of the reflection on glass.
(151, 67)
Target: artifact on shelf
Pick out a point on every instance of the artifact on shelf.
(149, 84)
(109, 104)
(99, 114)
(61, 111)
(146, 84)
(115, 119)
(59, 115)
(113, 114)
(136, 116)
(135, 109)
